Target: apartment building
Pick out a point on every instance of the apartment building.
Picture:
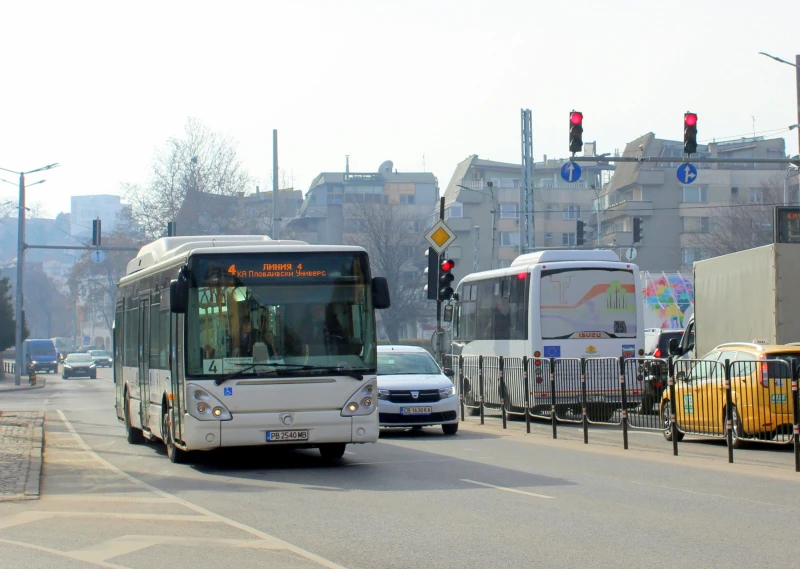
(682, 223)
(482, 206)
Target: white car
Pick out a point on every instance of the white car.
(413, 391)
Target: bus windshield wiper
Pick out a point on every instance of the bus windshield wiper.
(354, 373)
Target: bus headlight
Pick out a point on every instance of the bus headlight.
(205, 406)
(362, 401)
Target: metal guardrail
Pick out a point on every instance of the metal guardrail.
(736, 401)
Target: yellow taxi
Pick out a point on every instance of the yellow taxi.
(761, 393)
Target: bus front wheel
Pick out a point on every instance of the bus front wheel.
(333, 451)
(174, 454)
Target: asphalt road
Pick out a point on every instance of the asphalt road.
(484, 498)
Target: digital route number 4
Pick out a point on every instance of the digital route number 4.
(212, 366)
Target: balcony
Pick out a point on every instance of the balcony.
(460, 223)
(630, 208)
(618, 238)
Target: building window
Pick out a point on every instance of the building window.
(548, 210)
(734, 192)
(572, 212)
(548, 239)
(568, 239)
(692, 254)
(509, 238)
(694, 194)
(508, 211)
(756, 195)
(407, 199)
(692, 224)
(455, 210)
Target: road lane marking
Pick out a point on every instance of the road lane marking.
(279, 543)
(504, 489)
(59, 553)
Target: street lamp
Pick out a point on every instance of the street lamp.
(21, 265)
(495, 207)
(796, 66)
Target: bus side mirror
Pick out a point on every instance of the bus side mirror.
(178, 296)
(448, 313)
(674, 350)
(380, 293)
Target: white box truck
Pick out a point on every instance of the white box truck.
(748, 296)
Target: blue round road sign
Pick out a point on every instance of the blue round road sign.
(571, 172)
(687, 173)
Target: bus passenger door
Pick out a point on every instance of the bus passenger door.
(176, 378)
(144, 360)
(119, 384)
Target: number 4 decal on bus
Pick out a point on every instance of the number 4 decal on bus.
(212, 366)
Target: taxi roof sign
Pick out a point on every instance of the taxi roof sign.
(440, 236)
(759, 341)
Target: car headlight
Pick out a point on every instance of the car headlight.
(447, 391)
(92, 365)
(67, 366)
(383, 394)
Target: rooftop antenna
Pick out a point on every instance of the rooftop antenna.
(754, 125)
(346, 163)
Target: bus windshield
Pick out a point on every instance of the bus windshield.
(576, 302)
(280, 314)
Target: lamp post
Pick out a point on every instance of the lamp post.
(796, 66)
(495, 207)
(21, 266)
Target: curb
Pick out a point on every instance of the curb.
(33, 482)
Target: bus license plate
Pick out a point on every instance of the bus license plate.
(416, 410)
(275, 436)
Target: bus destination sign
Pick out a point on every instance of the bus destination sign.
(277, 270)
(787, 224)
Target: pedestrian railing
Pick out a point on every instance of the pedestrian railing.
(736, 401)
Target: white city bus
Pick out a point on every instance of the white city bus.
(552, 304)
(229, 341)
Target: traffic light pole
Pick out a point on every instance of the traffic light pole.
(439, 257)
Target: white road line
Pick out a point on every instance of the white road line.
(200, 510)
(59, 553)
(504, 489)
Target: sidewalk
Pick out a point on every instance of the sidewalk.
(7, 384)
(21, 442)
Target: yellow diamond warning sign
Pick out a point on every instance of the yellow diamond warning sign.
(440, 236)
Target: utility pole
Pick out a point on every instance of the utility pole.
(527, 237)
(275, 230)
(18, 306)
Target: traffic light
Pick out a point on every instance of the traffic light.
(579, 225)
(96, 233)
(445, 280)
(433, 273)
(689, 133)
(172, 229)
(575, 132)
(637, 229)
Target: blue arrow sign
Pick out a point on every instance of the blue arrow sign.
(687, 173)
(570, 172)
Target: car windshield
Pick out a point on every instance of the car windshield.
(397, 363)
(78, 358)
(45, 349)
(98, 354)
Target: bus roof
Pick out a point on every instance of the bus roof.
(169, 247)
(553, 256)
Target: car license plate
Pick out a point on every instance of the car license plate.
(779, 398)
(416, 410)
(276, 436)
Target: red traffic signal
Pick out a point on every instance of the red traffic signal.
(448, 265)
(575, 117)
(690, 119)
(575, 132)
(690, 133)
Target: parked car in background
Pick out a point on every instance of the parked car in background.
(100, 358)
(413, 391)
(79, 365)
(41, 355)
(656, 347)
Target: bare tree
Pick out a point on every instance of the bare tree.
(201, 162)
(744, 223)
(389, 234)
(8, 209)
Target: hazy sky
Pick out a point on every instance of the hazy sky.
(97, 86)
